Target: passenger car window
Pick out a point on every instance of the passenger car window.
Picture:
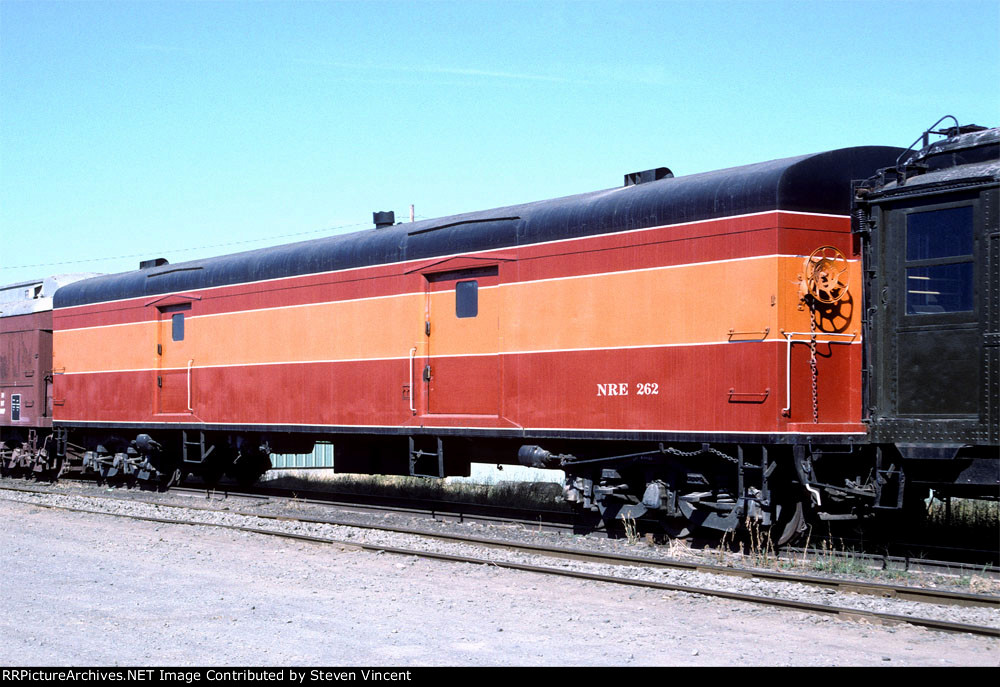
(940, 288)
(939, 261)
(939, 233)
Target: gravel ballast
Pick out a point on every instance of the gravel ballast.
(560, 610)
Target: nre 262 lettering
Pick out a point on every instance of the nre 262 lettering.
(623, 389)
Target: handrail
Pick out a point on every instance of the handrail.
(787, 410)
(190, 363)
(926, 136)
(765, 331)
(413, 408)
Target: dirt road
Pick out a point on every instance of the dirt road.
(97, 590)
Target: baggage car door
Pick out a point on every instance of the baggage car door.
(462, 370)
(173, 383)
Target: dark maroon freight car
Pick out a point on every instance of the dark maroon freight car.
(25, 380)
(26, 438)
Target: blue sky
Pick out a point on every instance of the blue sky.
(134, 130)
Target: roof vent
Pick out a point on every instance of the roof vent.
(383, 219)
(156, 262)
(636, 178)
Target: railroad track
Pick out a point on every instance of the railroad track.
(962, 561)
(447, 511)
(553, 521)
(934, 597)
(563, 523)
(570, 523)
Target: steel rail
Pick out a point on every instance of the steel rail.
(454, 512)
(565, 522)
(457, 511)
(882, 590)
(462, 512)
(842, 612)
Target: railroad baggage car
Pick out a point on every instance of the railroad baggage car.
(807, 337)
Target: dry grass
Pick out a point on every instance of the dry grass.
(759, 547)
(964, 513)
(983, 585)
(973, 524)
(631, 529)
(753, 547)
(680, 548)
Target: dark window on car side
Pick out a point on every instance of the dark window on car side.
(939, 262)
(939, 233)
(177, 326)
(939, 288)
(467, 298)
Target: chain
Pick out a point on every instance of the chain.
(812, 357)
(688, 454)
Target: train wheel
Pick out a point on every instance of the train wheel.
(248, 469)
(676, 528)
(169, 478)
(51, 474)
(790, 523)
(12, 464)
